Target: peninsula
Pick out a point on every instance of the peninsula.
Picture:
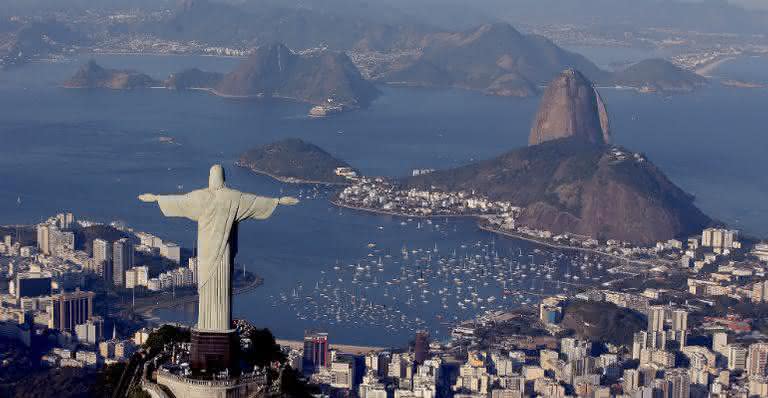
(658, 75)
(295, 161)
(569, 181)
(574, 181)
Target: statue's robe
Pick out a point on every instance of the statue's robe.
(217, 213)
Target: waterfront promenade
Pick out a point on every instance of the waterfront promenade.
(482, 223)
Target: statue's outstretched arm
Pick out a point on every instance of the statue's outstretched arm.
(148, 197)
(186, 205)
(260, 207)
(288, 201)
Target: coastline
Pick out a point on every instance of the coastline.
(403, 215)
(514, 235)
(481, 224)
(290, 180)
(707, 69)
(148, 54)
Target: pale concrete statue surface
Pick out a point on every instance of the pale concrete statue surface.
(217, 211)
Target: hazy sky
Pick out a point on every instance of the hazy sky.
(752, 3)
(759, 4)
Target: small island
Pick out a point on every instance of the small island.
(658, 76)
(93, 75)
(742, 84)
(298, 162)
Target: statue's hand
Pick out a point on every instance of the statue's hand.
(148, 197)
(288, 201)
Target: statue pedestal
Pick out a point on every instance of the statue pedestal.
(214, 351)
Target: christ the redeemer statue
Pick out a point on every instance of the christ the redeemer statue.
(217, 211)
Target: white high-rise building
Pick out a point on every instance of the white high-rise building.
(142, 275)
(679, 319)
(757, 359)
(343, 374)
(718, 238)
(90, 332)
(65, 220)
(44, 239)
(760, 292)
(720, 343)
(102, 258)
(131, 279)
(737, 357)
(171, 251)
(137, 276)
(122, 260)
(677, 383)
(639, 343)
(656, 318)
(192, 264)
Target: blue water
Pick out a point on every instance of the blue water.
(92, 152)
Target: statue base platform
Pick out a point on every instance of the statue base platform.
(214, 351)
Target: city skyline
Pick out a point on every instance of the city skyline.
(489, 199)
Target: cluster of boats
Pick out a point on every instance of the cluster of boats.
(433, 288)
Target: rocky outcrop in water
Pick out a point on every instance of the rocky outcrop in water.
(92, 75)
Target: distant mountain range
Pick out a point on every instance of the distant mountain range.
(685, 15)
(499, 60)
(274, 71)
(496, 59)
(294, 160)
(296, 25)
(36, 40)
(493, 58)
(574, 182)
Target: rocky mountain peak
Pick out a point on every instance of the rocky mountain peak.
(571, 107)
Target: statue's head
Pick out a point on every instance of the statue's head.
(216, 177)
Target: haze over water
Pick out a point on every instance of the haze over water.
(92, 152)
